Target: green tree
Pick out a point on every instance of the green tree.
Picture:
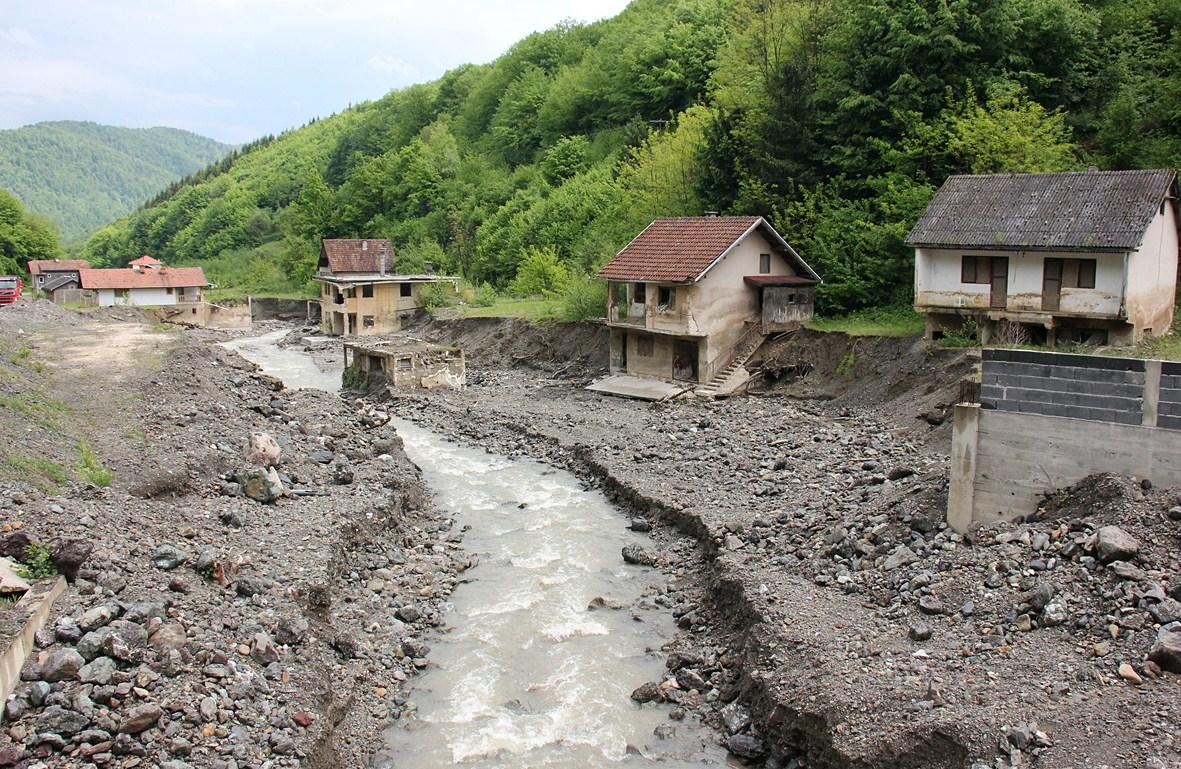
(540, 274)
(24, 236)
(1011, 133)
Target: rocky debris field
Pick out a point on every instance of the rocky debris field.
(264, 567)
(831, 617)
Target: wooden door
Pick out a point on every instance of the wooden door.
(1052, 285)
(1000, 282)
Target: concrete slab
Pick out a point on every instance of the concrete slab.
(627, 386)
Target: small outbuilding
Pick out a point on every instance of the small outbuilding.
(1087, 256)
(403, 364)
(50, 275)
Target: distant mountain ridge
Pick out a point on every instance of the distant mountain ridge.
(83, 175)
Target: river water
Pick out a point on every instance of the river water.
(528, 675)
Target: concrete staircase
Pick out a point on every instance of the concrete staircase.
(733, 375)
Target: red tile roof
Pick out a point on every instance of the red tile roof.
(40, 266)
(357, 255)
(146, 261)
(165, 277)
(681, 250)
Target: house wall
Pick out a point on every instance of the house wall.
(938, 285)
(386, 307)
(1152, 275)
(143, 297)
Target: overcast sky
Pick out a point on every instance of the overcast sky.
(238, 69)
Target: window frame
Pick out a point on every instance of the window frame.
(666, 304)
(367, 291)
(979, 263)
(764, 264)
(405, 290)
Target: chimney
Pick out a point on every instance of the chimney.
(364, 245)
(711, 213)
(381, 259)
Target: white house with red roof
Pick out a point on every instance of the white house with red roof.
(690, 299)
(145, 282)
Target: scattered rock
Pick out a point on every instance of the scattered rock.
(262, 450)
(168, 557)
(639, 556)
(1114, 544)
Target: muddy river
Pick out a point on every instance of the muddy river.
(527, 674)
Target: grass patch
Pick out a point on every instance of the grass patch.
(47, 475)
(876, 321)
(91, 468)
(162, 328)
(41, 411)
(529, 309)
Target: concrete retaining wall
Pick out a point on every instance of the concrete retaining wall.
(1048, 420)
(290, 310)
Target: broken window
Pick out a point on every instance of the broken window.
(367, 321)
(976, 269)
(405, 289)
(791, 298)
(645, 346)
(404, 363)
(621, 300)
(367, 291)
(764, 264)
(667, 297)
(638, 293)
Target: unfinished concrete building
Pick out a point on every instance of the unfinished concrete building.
(691, 298)
(361, 293)
(1088, 256)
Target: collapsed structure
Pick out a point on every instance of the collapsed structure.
(361, 294)
(690, 299)
(404, 364)
(1088, 256)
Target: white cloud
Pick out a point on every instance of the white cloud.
(392, 65)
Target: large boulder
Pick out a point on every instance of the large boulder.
(1166, 650)
(1114, 544)
(261, 484)
(262, 450)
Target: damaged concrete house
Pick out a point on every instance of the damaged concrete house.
(690, 299)
(1088, 256)
(145, 282)
(361, 293)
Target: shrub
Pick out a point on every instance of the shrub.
(37, 562)
(584, 298)
(540, 274)
(436, 295)
(485, 295)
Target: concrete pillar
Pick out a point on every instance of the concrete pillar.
(961, 496)
(1148, 407)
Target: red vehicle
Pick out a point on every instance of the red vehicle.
(10, 289)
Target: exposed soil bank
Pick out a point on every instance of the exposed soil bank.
(856, 628)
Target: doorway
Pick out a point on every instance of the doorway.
(1052, 285)
(1000, 282)
(685, 361)
(623, 351)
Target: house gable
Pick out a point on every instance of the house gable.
(358, 255)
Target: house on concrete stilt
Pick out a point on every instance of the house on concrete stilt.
(690, 299)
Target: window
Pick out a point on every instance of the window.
(638, 293)
(976, 269)
(1078, 273)
(764, 264)
(405, 289)
(404, 363)
(168, 290)
(367, 291)
(645, 346)
(367, 321)
(120, 293)
(668, 297)
(791, 298)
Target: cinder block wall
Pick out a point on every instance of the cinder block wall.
(1091, 387)
(1169, 405)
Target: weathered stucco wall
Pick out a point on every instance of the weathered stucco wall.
(938, 284)
(1152, 275)
(147, 297)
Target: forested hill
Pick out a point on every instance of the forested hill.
(835, 118)
(84, 175)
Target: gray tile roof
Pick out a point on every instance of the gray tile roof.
(1087, 211)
